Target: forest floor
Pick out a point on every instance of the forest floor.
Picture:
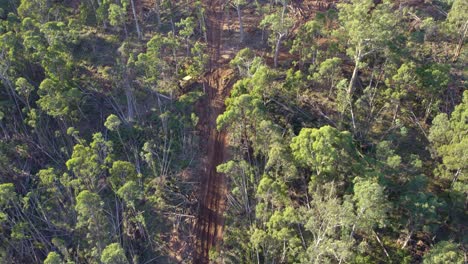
(213, 188)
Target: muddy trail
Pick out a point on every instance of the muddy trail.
(213, 188)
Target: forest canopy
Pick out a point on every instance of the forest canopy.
(244, 131)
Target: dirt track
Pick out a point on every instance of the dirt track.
(212, 194)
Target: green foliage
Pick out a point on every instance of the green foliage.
(444, 252)
(117, 15)
(326, 215)
(244, 105)
(23, 87)
(120, 173)
(7, 193)
(102, 134)
(130, 192)
(114, 254)
(57, 99)
(329, 71)
(112, 122)
(450, 139)
(372, 205)
(329, 153)
(89, 162)
(246, 62)
(37, 9)
(187, 27)
(92, 222)
(367, 25)
(53, 258)
(87, 205)
(277, 23)
(456, 19)
(305, 43)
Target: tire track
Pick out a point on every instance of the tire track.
(210, 221)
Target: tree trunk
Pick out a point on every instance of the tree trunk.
(355, 71)
(353, 119)
(460, 42)
(241, 25)
(203, 25)
(173, 26)
(136, 20)
(277, 49)
(381, 244)
(130, 100)
(408, 238)
(158, 13)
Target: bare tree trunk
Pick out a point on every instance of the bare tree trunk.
(277, 49)
(353, 119)
(205, 35)
(173, 26)
(187, 46)
(461, 41)
(381, 244)
(136, 20)
(241, 24)
(125, 30)
(117, 225)
(158, 13)
(355, 71)
(130, 100)
(408, 238)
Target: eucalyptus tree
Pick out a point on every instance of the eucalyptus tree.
(329, 73)
(327, 218)
(114, 254)
(450, 139)
(246, 62)
(329, 153)
(89, 163)
(187, 29)
(457, 24)
(367, 28)
(37, 9)
(92, 224)
(135, 18)
(238, 4)
(118, 15)
(279, 24)
(445, 252)
(158, 74)
(305, 44)
(53, 258)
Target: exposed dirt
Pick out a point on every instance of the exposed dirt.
(212, 192)
(213, 188)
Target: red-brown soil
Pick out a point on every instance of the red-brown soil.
(212, 192)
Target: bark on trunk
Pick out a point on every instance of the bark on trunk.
(241, 25)
(135, 17)
(355, 71)
(158, 13)
(408, 238)
(460, 42)
(381, 244)
(130, 100)
(277, 49)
